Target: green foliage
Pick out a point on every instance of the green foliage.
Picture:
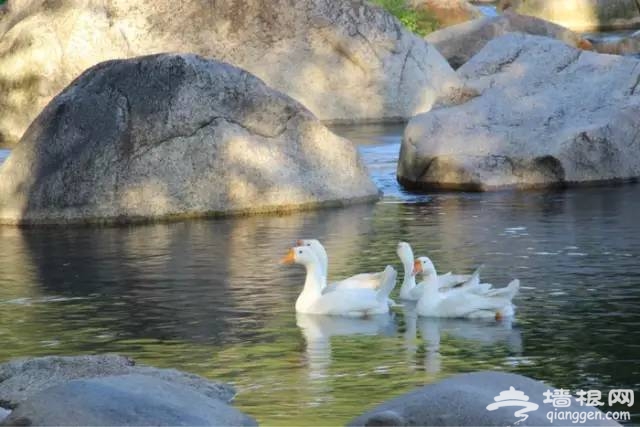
(419, 21)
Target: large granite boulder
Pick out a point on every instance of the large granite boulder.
(124, 400)
(345, 60)
(547, 115)
(175, 135)
(462, 400)
(461, 42)
(447, 12)
(23, 378)
(581, 15)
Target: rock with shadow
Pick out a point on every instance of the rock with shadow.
(548, 115)
(124, 400)
(462, 400)
(174, 135)
(461, 42)
(111, 390)
(622, 45)
(581, 15)
(345, 60)
(22, 378)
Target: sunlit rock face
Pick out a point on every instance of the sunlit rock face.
(547, 115)
(460, 42)
(345, 60)
(174, 135)
(581, 15)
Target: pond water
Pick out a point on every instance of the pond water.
(487, 9)
(209, 297)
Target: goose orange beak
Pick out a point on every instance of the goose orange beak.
(417, 267)
(289, 258)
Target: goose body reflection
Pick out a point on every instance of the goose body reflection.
(318, 331)
(435, 331)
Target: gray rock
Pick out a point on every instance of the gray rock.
(461, 42)
(4, 413)
(20, 379)
(462, 400)
(174, 135)
(132, 400)
(547, 115)
(581, 15)
(624, 45)
(345, 60)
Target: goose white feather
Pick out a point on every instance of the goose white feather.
(337, 301)
(461, 302)
(362, 280)
(412, 291)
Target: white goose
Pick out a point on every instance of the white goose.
(472, 285)
(352, 302)
(412, 291)
(460, 302)
(363, 280)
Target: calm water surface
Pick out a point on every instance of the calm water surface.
(209, 297)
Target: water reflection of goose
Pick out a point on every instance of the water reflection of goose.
(432, 329)
(318, 331)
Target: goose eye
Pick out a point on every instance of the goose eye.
(299, 252)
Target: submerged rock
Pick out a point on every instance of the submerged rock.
(462, 400)
(581, 15)
(345, 60)
(23, 378)
(174, 135)
(461, 42)
(547, 115)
